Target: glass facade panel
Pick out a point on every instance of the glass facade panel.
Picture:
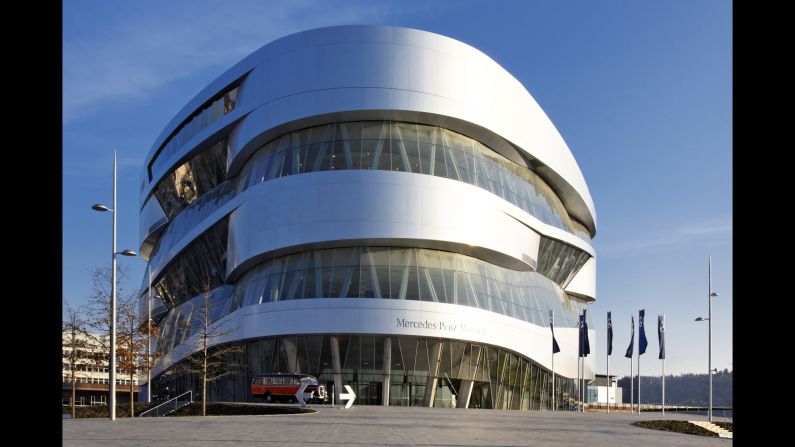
(367, 272)
(152, 217)
(197, 123)
(190, 217)
(558, 261)
(409, 147)
(503, 379)
(192, 179)
(200, 267)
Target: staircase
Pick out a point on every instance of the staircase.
(722, 432)
(169, 406)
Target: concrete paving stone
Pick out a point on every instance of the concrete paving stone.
(386, 426)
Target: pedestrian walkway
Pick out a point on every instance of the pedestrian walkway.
(385, 426)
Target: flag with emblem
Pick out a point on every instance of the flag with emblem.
(555, 347)
(585, 346)
(661, 334)
(609, 334)
(642, 342)
(631, 346)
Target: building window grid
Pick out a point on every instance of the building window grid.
(396, 273)
(501, 379)
(464, 159)
(197, 123)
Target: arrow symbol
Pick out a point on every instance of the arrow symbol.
(350, 396)
(301, 395)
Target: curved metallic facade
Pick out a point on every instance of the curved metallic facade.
(361, 193)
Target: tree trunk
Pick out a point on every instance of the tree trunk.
(204, 384)
(74, 392)
(132, 394)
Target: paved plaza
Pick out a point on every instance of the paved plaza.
(385, 426)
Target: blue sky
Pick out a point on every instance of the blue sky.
(641, 92)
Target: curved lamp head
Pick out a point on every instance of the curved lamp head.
(100, 207)
(713, 294)
(128, 253)
(702, 319)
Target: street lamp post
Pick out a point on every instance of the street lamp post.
(112, 365)
(149, 338)
(711, 294)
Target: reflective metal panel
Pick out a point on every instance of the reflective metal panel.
(377, 205)
(392, 317)
(406, 147)
(365, 68)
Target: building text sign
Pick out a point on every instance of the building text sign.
(440, 326)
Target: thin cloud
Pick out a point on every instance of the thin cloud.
(147, 51)
(707, 228)
(708, 231)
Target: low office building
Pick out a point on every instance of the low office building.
(604, 390)
(91, 373)
(380, 207)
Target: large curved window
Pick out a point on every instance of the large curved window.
(558, 261)
(492, 377)
(375, 272)
(404, 274)
(192, 179)
(180, 323)
(399, 146)
(152, 218)
(189, 218)
(210, 113)
(200, 267)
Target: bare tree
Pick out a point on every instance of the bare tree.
(98, 309)
(210, 360)
(132, 329)
(75, 346)
(98, 320)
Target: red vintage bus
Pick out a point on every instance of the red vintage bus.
(281, 387)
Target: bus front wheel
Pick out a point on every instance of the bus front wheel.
(268, 398)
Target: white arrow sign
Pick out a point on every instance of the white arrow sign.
(301, 395)
(350, 396)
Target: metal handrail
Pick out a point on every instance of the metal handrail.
(176, 406)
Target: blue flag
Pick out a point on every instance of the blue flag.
(631, 341)
(661, 334)
(555, 347)
(585, 334)
(609, 334)
(642, 343)
(585, 346)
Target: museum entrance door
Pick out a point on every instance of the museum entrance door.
(481, 395)
(369, 393)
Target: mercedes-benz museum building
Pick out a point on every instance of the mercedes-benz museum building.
(379, 207)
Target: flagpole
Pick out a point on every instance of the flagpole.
(609, 348)
(631, 387)
(552, 325)
(579, 360)
(663, 387)
(579, 383)
(638, 377)
(632, 370)
(582, 385)
(641, 347)
(663, 374)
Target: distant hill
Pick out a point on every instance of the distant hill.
(685, 389)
